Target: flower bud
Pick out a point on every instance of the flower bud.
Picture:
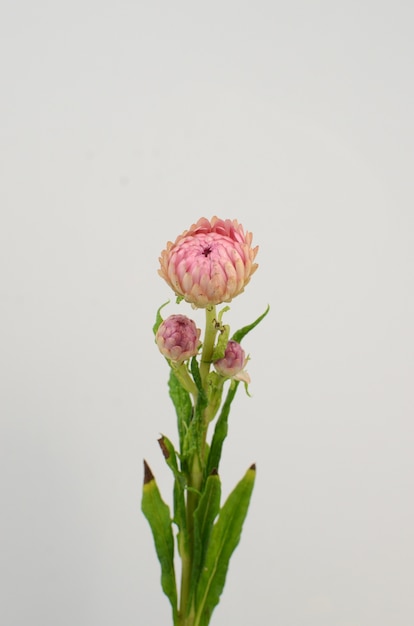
(177, 338)
(210, 263)
(233, 363)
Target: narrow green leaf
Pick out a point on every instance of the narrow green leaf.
(180, 518)
(204, 516)
(169, 453)
(221, 429)
(221, 313)
(183, 407)
(242, 332)
(159, 519)
(215, 384)
(158, 319)
(221, 345)
(224, 539)
(195, 432)
(195, 370)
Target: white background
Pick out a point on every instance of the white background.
(122, 123)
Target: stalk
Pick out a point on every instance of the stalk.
(208, 344)
(200, 266)
(186, 614)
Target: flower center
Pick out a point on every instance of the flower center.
(207, 250)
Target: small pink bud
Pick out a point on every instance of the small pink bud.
(177, 338)
(233, 363)
(210, 263)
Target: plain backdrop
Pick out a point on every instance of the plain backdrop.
(122, 123)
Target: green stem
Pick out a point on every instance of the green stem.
(183, 618)
(186, 613)
(186, 616)
(208, 344)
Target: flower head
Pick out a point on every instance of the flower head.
(177, 338)
(210, 263)
(233, 363)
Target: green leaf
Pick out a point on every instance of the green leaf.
(204, 516)
(195, 431)
(242, 332)
(158, 319)
(180, 517)
(224, 539)
(195, 370)
(221, 429)
(159, 519)
(221, 313)
(215, 384)
(222, 342)
(170, 455)
(183, 407)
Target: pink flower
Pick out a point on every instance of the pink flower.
(210, 263)
(233, 363)
(177, 338)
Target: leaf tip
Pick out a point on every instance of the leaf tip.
(148, 475)
(163, 447)
(214, 472)
(253, 467)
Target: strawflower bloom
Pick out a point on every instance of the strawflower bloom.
(210, 263)
(233, 363)
(178, 338)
